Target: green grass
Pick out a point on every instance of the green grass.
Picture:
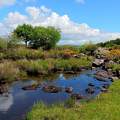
(106, 107)
(114, 67)
(9, 71)
(47, 65)
(23, 53)
(13, 70)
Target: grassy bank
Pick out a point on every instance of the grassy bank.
(13, 70)
(106, 107)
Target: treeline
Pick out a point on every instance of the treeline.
(111, 43)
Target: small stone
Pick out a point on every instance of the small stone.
(69, 90)
(51, 89)
(114, 78)
(90, 90)
(76, 96)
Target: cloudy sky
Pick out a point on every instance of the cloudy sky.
(80, 21)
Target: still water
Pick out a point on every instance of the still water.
(18, 102)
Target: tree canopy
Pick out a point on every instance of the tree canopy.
(45, 37)
(24, 32)
(38, 37)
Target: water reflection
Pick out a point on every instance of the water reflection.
(6, 101)
(19, 101)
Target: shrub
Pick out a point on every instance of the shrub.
(88, 48)
(114, 54)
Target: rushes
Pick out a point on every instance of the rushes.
(8, 71)
(11, 70)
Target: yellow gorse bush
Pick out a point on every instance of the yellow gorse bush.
(115, 53)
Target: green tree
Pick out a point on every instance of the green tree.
(45, 38)
(24, 32)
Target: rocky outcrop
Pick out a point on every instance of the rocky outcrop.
(101, 52)
(98, 62)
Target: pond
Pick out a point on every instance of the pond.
(17, 102)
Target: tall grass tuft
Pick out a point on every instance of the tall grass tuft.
(8, 71)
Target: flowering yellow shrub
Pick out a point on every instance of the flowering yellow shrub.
(115, 53)
(68, 53)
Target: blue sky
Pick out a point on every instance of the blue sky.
(89, 20)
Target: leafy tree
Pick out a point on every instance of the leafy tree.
(45, 38)
(24, 32)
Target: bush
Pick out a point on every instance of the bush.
(88, 48)
(114, 54)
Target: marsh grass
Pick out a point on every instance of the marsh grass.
(23, 53)
(114, 67)
(8, 71)
(48, 65)
(11, 70)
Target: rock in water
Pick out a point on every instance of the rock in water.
(90, 90)
(51, 89)
(69, 90)
(77, 96)
(30, 87)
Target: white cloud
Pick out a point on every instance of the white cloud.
(6, 2)
(72, 33)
